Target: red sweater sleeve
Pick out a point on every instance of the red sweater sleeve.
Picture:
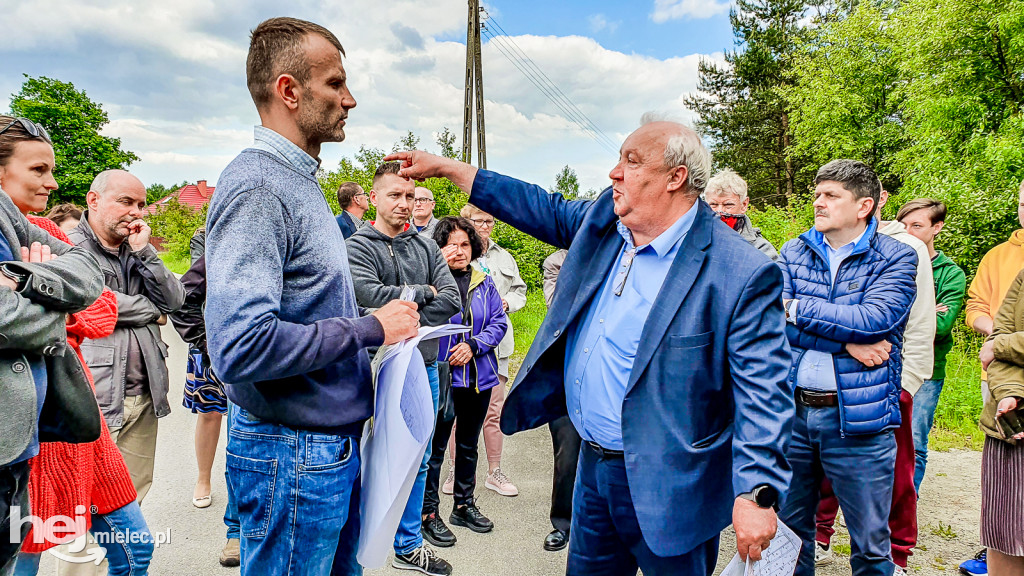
(99, 319)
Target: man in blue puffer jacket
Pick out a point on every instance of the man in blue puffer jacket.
(848, 292)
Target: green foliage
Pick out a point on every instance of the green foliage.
(742, 106)
(844, 103)
(567, 183)
(74, 122)
(781, 224)
(527, 250)
(526, 322)
(175, 223)
(155, 192)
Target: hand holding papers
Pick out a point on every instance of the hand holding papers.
(394, 441)
(779, 559)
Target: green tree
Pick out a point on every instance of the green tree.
(74, 123)
(742, 110)
(155, 192)
(845, 102)
(567, 184)
(963, 64)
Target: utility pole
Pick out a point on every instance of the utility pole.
(474, 90)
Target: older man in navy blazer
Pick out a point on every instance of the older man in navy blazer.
(666, 345)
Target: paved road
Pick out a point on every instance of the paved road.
(514, 548)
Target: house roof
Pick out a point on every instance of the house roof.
(193, 195)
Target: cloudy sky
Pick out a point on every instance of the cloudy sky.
(171, 75)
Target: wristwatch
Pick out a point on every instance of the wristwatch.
(18, 278)
(764, 496)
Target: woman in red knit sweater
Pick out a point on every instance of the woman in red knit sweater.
(86, 482)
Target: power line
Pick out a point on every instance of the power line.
(518, 58)
(529, 61)
(547, 93)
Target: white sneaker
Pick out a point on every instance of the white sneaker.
(822, 555)
(500, 483)
(899, 571)
(449, 483)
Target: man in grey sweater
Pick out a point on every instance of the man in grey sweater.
(385, 259)
(285, 333)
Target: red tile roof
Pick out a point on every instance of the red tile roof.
(194, 195)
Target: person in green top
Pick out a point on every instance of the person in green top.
(924, 219)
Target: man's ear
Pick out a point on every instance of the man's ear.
(938, 227)
(677, 179)
(286, 89)
(92, 199)
(866, 208)
(373, 197)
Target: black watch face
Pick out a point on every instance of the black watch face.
(766, 496)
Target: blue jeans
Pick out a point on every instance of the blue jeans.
(925, 401)
(861, 469)
(128, 557)
(605, 537)
(409, 535)
(293, 489)
(231, 510)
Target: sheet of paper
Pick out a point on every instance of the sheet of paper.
(778, 560)
(394, 441)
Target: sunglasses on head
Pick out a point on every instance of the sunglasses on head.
(34, 130)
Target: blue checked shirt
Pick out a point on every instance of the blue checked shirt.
(272, 142)
(601, 350)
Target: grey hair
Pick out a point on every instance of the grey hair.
(684, 149)
(101, 181)
(727, 182)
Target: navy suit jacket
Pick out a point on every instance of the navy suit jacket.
(708, 410)
(346, 225)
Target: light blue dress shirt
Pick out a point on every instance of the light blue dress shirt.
(272, 142)
(601, 350)
(817, 370)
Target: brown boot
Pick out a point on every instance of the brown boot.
(230, 556)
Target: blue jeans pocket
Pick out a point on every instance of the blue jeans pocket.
(327, 452)
(253, 481)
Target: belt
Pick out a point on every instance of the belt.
(604, 452)
(817, 398)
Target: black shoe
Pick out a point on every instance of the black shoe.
(470, 517)
(423, 560)
(437, 533)
(556, 540)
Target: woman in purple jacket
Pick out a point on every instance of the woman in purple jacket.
(474, 371)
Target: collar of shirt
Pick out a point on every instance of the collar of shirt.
(667, 243)
(269, 141)
(845, 248)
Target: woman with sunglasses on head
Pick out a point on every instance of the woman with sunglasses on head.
(72, 479)
(474, 373)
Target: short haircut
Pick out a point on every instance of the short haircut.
(61, 212)
(17, 134)
(347, 192)
(936, 210)
(726, 182)
(386, 168)
(427, 190)
(853, 175)
(449, 224)
(276, 47)
(684, 149)
(469, 210)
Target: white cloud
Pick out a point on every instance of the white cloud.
(173, 81)
(600, 23)
(665, 10)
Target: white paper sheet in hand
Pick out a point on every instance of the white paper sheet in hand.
(778, 560)
(393, 447)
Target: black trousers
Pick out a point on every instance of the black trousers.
(565, 441)
(13, 492)
(470, 411)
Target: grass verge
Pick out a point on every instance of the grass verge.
(176, 265)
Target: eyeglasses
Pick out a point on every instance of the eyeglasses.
(422, 201)
(482, 223)
(34, 130)
(620, 277)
